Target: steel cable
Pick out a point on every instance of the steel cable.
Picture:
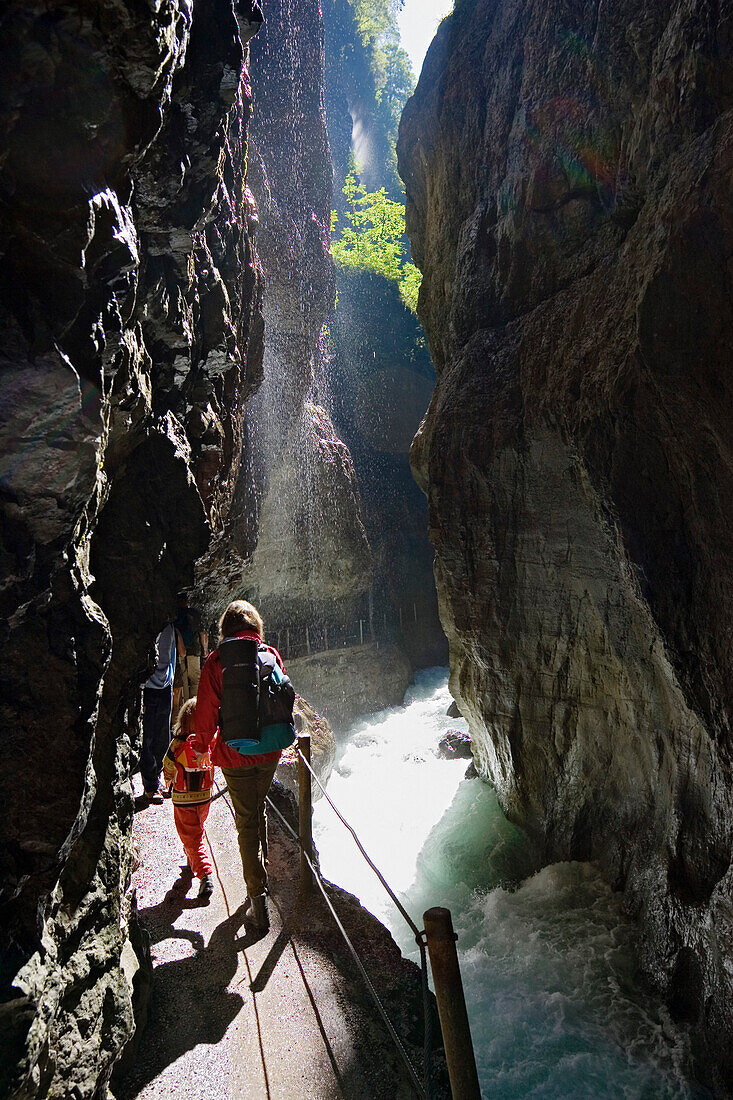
(360, 846)
(419, 936)
(427, 1091)
(367, 981)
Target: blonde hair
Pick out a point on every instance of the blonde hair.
(240, 615)
(184, 721)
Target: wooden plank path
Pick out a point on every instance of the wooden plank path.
(240, 1017)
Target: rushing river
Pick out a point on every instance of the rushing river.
(555, 1005)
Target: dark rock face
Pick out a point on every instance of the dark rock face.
(131, 335)
(383, 381)
(296, 541)
(356, 680)
(455, 745)
(568, 172)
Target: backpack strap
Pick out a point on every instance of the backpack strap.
(277, 695)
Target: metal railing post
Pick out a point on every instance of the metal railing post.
(441, 941)
(305, 812)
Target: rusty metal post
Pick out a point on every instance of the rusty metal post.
(441, 941)
(305, 811)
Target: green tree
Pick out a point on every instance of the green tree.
(372, 238)
(389, 63)
(399, 81)
(410, 286)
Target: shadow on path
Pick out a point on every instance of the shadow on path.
(191, 1002)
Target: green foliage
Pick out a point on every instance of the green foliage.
(372, 239)
(373, 17)
(410, 286)
(391, 69)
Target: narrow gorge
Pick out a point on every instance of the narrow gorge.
(207, 387)
(568, 175)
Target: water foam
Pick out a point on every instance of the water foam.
(556, 1006)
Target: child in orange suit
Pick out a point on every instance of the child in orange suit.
(191, 775)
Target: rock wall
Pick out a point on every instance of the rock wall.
(323, 750)
(568, 170)
(384, 382)
(296, 543)
(345, 683)
(131, 336)
(382, 376)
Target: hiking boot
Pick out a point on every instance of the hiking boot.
(206, 887)
(255, 912)
(155, 797)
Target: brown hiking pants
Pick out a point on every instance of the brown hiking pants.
(248, 789)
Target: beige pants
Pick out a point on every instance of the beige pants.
(191, 667)
(248, 789)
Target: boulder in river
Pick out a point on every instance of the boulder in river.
(455, 745)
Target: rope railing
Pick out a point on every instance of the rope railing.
(425, 1093)
(419, 936)
(438, 940)
(360, 966)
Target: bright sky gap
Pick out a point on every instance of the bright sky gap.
(418, 22)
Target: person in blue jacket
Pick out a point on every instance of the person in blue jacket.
(157, 704)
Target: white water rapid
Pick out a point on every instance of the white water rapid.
(556, 1008)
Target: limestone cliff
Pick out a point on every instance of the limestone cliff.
(568, 170)
(295, 543)
(131, 335)
(383, 383)
(381, 369)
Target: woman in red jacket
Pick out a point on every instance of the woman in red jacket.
(228, 722)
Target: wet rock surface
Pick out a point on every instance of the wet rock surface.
(323, 749)
(568, 177)
(455, 745)
(131, 335)
(295, 542)
(384, 384)
(358, 680)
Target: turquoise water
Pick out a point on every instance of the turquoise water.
(556, 1007)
